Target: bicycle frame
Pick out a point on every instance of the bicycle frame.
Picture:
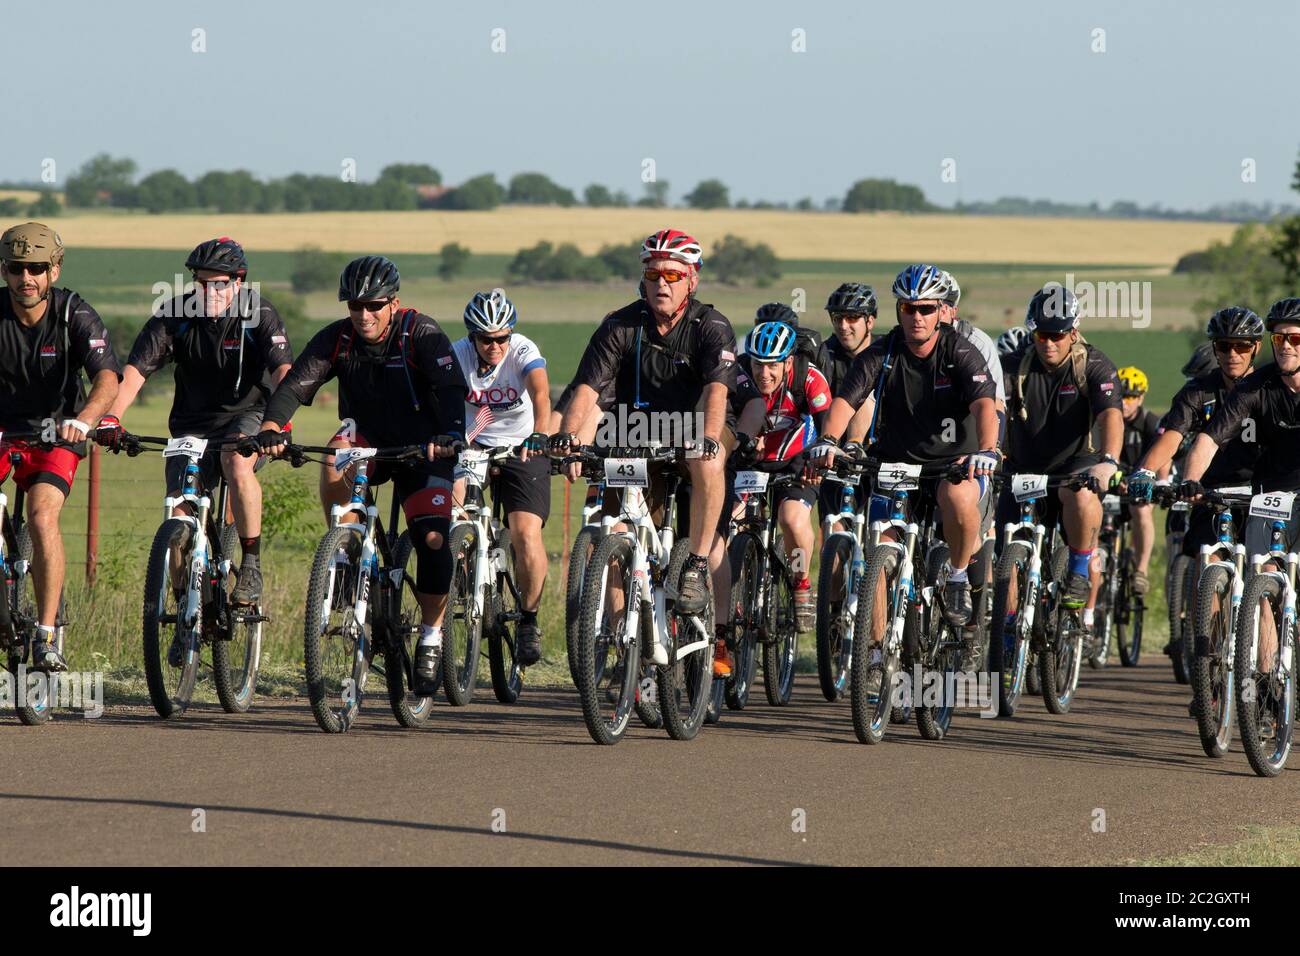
(1037, 535)
(857, 519)
(490, 562)
(1232, 555)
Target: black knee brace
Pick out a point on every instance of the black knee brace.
(432, 565)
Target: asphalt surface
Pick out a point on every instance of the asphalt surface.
(491, 784)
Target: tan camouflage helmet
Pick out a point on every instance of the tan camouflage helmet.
(31, 242)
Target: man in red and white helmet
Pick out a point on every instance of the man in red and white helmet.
(668, 353)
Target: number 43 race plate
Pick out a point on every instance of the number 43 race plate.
(625, 473)
(1273, 504)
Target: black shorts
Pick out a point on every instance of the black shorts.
(830, 497)
(1176, 521)
(423, 488)
(525, 486)
(249, 423)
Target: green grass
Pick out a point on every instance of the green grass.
(1262, 846)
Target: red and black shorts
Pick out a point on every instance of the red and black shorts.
(423, 487)
(39, 466)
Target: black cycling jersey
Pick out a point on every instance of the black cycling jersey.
(1264, 411)
(835, 361)
(1192, 408)
(402, 390)
(1138, 437)
(223, 364)
(661, 373)
(41, 365)
(923, 412)
(1057, 424)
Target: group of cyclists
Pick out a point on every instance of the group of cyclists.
(928, 389)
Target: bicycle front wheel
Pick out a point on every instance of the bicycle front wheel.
(782, 644)
(410, 709)
(171, 649)
(1265, 676)
(507, 675)
(745, 589)
(460, 654)
(1212, 678)
(874, 663)
(1129, 611)
(834, 625)
(584, 545)
(335, 668)
(608, 658)
(1180, 574)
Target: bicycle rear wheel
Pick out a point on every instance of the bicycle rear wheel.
(782, 644)
(745, 589)
(872, 670)
(335, 668)
(1129, 610)
(410, 709)
(1180, 573)
(686, 681)
(1059, 663)
(460, 653)
(834, 627)
(499, 627)
(1212, 678)
(170, 685)
(608, 659)
(237, 648)
(1103, 619)
(1010, 629)
(1265, 687)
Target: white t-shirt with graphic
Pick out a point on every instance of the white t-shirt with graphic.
(498, 408)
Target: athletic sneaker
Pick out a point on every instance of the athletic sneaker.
(972, 654)
(693, 587)
(427, 661)
(721, 659)
(46, 657)
(248, 588)
(1141, 584)
(805, 607)
(957, 606)
(528, 644)
(1077, 588)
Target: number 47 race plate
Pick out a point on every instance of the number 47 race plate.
(1273, 504)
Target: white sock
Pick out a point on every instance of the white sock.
(45, 632)
(1087, 616)
(955, 575)
(430, 636)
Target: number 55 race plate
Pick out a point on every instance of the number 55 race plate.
(1273, 504)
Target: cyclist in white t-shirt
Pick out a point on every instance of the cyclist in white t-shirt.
(509, 403)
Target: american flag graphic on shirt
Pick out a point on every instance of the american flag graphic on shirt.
(481, 421)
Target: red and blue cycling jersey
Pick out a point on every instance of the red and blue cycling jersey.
(792, 416)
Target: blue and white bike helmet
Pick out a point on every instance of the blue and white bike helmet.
(770, 342)
(490, 312)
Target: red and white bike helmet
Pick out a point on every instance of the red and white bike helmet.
(672, 244)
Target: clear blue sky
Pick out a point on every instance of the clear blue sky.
(1015, 94)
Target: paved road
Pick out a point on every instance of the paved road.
(275, 790)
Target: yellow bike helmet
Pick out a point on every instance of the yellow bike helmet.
(1133, 381)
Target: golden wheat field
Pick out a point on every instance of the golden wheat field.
(793, 235)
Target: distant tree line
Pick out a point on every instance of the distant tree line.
(107, 181)
(732, 260)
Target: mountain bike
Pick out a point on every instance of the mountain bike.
(34, 696)
(762, 592)
(187, 590)
(1222, 581)
(1027, 614)
(629, 609)
(1120, 610)
(842, 564)
(484, 599)
(908, 628)
(361, 605)
(1266, 680)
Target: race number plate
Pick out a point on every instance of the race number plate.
(186, 445)
(898, 476)
(1273, 504)
(1029, 487)
(1110, 504)
(751, 482)
(473, 466)
(626, 473)
(347, 456)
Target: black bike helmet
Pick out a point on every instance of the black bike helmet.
(222, 255)
(369, 279)
(1202, 361)
(1235, 322)
(1053, 308)
(854, 298)
(1283, 312)
(776, 312)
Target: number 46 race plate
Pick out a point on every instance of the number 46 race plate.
(1273, 504)
(625, 473)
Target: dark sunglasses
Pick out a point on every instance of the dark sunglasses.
(220, 285)
(913, 308)
(31, 268)
(354, 306)
(1234, 345)
(493, 340)
(1290, 338)
(1043, 336)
